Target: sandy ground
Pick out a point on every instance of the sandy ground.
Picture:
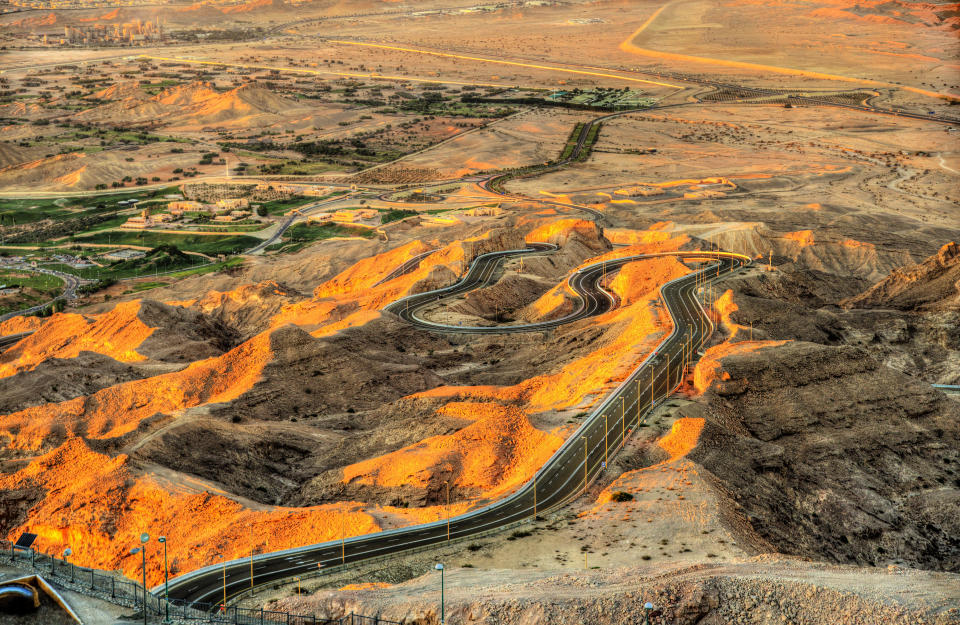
(759, 590)
(527, 139)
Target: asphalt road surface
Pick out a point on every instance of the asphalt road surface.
(562, 478)
(594, 299)
(70, 282)
(405, 268)
(284, 225)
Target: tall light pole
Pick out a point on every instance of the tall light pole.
(142, 550)
(166, 581)
(606, 439)
(223, 607)
(584, 464)
(251, 559)
(623, 417)
(66, 554)
(534, 495)
(646, 612)
(443, 616)
(668, 375)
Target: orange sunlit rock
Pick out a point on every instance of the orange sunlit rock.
(657, 234)
(637, 280)
(369, 271)
(709, 369)
(365, 586)
(554, 303)
(682, 438)
(803, 238)
(19, 324)
(117, 334)
(494, 453)
(118, 410)
(351, 297)
(724, 306)
(558, 231)
(352, 320)
(638, 324)
(98, 506)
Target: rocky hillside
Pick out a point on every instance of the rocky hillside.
(831, 455)
(933, 284)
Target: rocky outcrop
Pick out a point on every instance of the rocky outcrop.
(831, 455)
(247, 309)
(933, 284)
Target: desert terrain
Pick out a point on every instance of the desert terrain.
(201, 230)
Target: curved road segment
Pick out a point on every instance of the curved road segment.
(70, 285)
(565, 476)
(585, 282)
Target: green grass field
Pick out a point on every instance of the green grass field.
(395, 215)
(205, 244)
(199, 271)
(302, 233)
(23, 211)
(279, 207)
(37, 288)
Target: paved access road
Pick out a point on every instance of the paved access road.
(405, 268)
(562, 478)
(286, 223)
(594, 299)
(70, 282)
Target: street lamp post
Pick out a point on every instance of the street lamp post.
(443, 616)
(166, 581)
(606, 439)
(534, 495)
(66, 554)
(623, 418)
(251, 559)
(142, 550)
(646, 612)
(220, 556)
(584, 464)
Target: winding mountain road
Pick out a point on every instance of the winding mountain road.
(565, 476)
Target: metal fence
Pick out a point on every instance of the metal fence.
(122, 591)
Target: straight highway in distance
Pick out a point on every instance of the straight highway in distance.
(565, 476)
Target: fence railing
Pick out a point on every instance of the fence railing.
(122, 591)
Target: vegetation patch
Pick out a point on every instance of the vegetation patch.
(301, 233)
(203, 243)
